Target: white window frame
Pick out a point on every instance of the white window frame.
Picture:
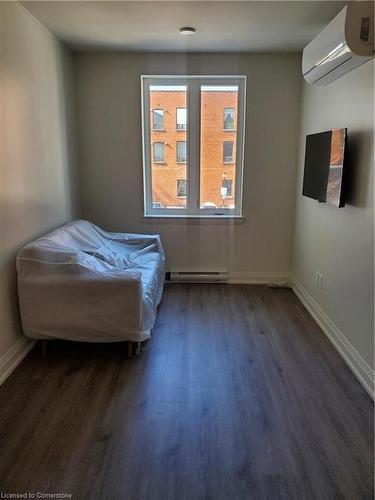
(193, 84)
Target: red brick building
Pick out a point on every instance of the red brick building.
(169, 147)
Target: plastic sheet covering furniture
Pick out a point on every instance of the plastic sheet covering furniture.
(85, 284)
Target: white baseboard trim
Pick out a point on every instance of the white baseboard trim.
(360, 368)
(13, 357)
(253, 278)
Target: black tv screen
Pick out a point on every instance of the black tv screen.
(323, 178)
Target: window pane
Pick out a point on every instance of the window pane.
(181, 151)
(168, 145)
(218, 145)
(181, 187)
(158, 119)
(227, 151)
(181, 119)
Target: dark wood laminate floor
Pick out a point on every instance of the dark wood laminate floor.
(240, 397)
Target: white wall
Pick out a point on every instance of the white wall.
(339, 243)
(38, 190)
(109, 117)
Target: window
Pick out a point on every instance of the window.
(226, 188)
(158, 119)
(181, 119)
(158, 152)
(192, 183)
(228, 119)
(227, 151)
(181, 188)
(181, 151)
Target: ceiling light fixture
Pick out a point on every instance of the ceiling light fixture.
(187, 30)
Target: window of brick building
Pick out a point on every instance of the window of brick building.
(181, 188)
(226, 188)
(158, 152)
(181, 151)
(181, 119)
(229, 119)
(158, 119)
(227, 151)
(203, 127)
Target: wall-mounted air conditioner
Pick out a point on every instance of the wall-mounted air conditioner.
(347, 42)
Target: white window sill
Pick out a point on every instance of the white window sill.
(194, 219)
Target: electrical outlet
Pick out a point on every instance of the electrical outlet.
(317, 278)
(321, 281)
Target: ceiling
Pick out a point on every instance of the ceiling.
(224, 26)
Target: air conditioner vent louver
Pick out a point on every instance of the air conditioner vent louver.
(197, 277)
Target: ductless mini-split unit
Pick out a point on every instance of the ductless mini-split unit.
(347, 42)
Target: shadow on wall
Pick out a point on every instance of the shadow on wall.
(10, 311)
(68, 129)
(358, 159)
(17, 230)
(38, 189)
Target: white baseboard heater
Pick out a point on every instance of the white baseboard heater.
(197, 276)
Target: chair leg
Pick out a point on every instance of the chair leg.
(134, 347)
(138, 349)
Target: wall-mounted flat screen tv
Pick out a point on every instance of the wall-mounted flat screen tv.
(323, 178)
